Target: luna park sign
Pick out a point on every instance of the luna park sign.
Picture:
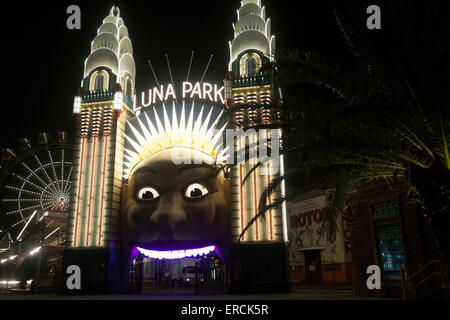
(166, 93)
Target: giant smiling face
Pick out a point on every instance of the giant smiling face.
(175, 207)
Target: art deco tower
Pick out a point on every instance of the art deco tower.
(102, 107)
(249, 93)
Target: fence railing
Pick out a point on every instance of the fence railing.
(259, 80)
(101, 96)
(435, 269)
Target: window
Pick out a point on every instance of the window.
(385, 209)
(390, 248)
(99, 82)
(129, 89)
(251, 67)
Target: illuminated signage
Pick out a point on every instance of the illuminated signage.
(300, 220)
(201, 91)
(177, 254)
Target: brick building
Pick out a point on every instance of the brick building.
(388, 230)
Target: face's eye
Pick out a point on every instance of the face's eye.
(148, 193)
(195, 191)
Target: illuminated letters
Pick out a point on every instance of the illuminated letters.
(170, 92)
(218, 94)
(197, 91)
(187, 87)
(201, 91)
(207, 90)
(159, 93)
(149, 101)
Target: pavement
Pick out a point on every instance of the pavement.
(298, 293)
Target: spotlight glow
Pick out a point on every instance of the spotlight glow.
(176, 254)
(35, 250)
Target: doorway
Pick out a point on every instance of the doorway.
(188, 276)
(313, 274)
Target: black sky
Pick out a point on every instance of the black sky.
(44, 60)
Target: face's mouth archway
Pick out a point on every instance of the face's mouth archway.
(177, 254)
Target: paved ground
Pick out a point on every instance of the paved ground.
(299, 293)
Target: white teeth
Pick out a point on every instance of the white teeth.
(144, 139)
(176, 254)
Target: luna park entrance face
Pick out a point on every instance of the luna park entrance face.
(188, 276)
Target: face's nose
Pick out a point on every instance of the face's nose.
(168, 215)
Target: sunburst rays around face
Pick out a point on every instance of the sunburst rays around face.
(150, 134)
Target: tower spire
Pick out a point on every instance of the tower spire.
(252, 31)
(112, 54)
(249, 90)
(115, 12)
(249, 94)
(103, 106)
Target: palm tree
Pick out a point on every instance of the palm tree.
(380, 113)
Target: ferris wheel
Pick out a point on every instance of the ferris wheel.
(36, 176)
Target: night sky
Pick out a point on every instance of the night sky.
(44, 60)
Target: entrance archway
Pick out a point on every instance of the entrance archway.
(188, 276)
